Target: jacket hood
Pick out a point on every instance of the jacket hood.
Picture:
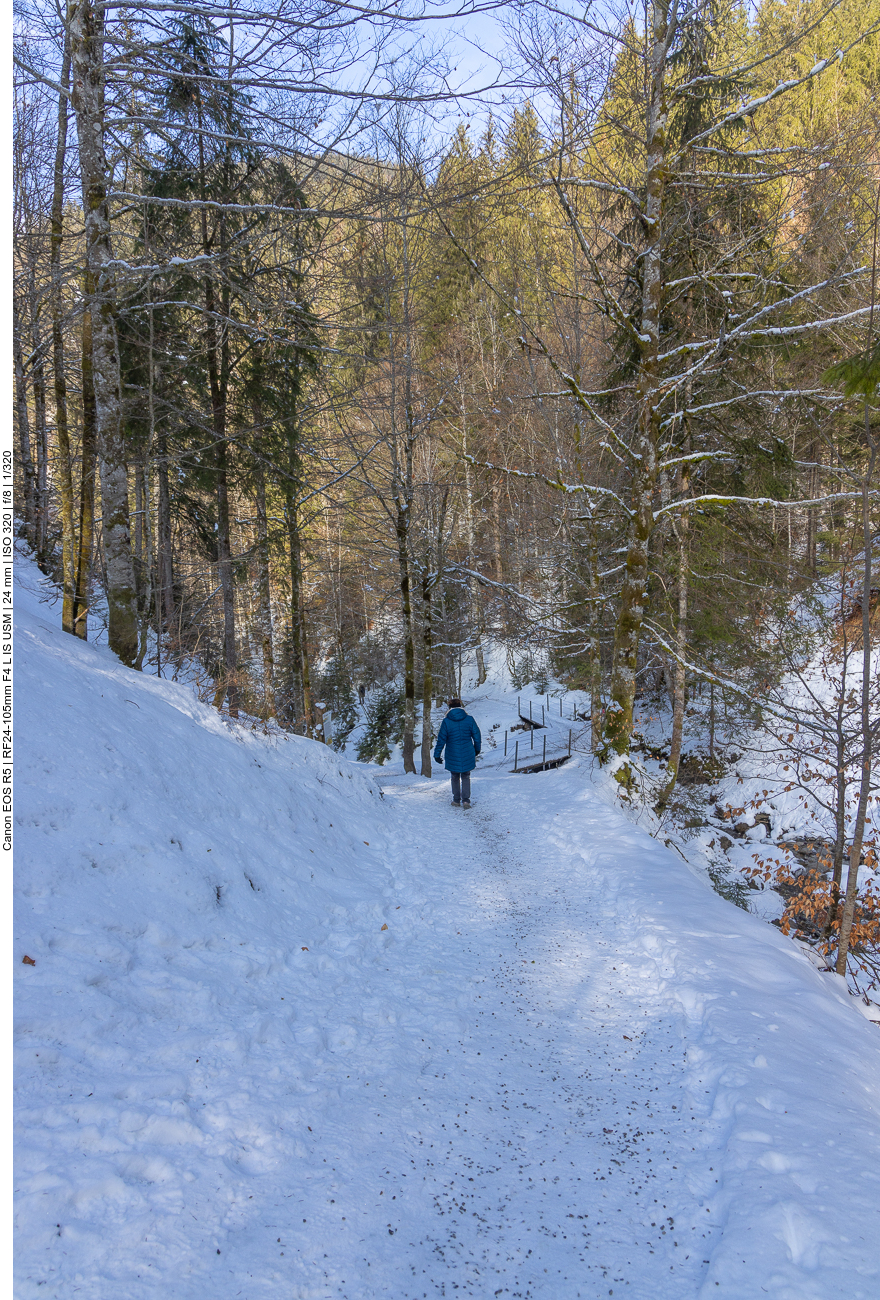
(456, 714)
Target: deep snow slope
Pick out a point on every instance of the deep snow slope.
(195, 899)
(566, 1069)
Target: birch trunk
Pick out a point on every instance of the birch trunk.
(619, 719)
(86, 45)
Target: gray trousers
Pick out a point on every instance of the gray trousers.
(461, 786)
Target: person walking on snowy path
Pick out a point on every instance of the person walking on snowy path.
(460, 736)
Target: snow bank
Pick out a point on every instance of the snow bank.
(778, 1106)
(193, 897)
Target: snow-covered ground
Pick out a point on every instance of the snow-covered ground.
(565, 1069)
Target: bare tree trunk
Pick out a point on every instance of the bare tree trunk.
(86, 42)
(679, 679)
(473, 603)
(264, 591)
(138, 534)
(86, 488)
(301, 666)
(595, 646)
(866, 727)
(427, 677)
(409, 684)
(496, 530)
(224, 566)
(217, 350)
(679, 691)
(227, 686)
(619, 719)
(41, 438)
(164, 559)
(812, 514)
(64, 472)
(840, 789)
(29, 474)
(143, 558)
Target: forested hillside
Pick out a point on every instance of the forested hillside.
(336, 372)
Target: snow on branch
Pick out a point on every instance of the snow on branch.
(214, 205)
(589, 488)
(761, 502)
(488, 582)
(594, 185)
(693, 457)
(781, 393)
(782, 88)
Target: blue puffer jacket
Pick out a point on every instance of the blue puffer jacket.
(461, 737)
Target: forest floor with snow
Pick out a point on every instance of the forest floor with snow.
(293, 1032)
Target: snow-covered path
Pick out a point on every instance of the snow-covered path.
(583, 1121)
(538, 1155)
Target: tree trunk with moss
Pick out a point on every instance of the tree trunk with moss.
(619, 718)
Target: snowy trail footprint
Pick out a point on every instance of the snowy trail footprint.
(534, 1155)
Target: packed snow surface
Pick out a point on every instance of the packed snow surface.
(565, 1069)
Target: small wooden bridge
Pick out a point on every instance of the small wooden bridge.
(533, 758)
